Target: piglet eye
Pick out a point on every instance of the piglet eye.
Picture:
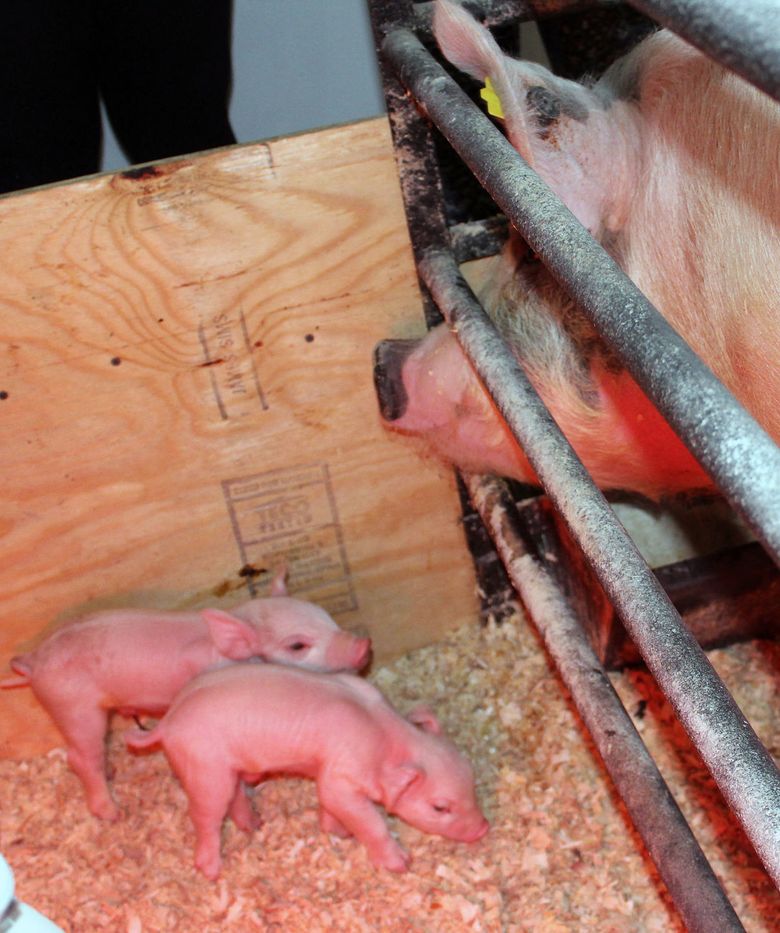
(441, 807)
(297, 646)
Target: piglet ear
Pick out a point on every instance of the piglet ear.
(279, 582)
(396, 781)
(234, 638)
(425, 719)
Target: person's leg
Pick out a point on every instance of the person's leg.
(49, 113)
(165, 75)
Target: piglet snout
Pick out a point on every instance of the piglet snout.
(466, 829)
(362, 653)
(346, 652)
(478, 832)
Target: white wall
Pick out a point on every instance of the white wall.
(302, 64)
(297, 65)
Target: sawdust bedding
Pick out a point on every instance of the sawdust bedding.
(560, 856)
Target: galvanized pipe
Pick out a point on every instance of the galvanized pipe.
(736, 452)
(683, 866)
(496, 13)
(743, 36)
(741, 766)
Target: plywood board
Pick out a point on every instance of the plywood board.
(186, 396)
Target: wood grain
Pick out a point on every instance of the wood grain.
(186, 384)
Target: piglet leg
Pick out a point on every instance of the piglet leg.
(85, 731)
(354, 812)
(241, 811)
(210, 793)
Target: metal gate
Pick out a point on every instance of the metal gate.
(740, 457)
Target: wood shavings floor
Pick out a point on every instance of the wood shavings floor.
(560, 856)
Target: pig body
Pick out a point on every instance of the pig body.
(137, 661)
(247, 720)
(673, 164)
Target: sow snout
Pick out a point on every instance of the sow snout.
(389, 359)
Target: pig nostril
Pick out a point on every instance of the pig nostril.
(389, 358)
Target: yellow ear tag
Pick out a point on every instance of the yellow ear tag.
(488, 94)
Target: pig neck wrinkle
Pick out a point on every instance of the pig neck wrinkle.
(401, 740)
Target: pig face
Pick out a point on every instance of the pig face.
(286, 631)
(428, 389)
(584, 144)
(657, 159)
(434, 791)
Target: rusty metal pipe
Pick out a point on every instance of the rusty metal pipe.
(681, 863)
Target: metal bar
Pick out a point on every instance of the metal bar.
(497, 596)
(743, 36)
(737, 453)
(741, 766)
(415, 155)
(479, 238)
(653, 810)
(497, 13)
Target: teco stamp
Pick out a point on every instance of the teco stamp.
(289, 515)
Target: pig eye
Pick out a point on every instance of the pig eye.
(544, 103)
(297, 646)
(441, 807)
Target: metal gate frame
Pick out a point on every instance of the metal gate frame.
(740, 457)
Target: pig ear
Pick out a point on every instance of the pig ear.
(396, 781)
(279, 582)
(425, 719)
(546, 117)
(471, 48)
(234, 638)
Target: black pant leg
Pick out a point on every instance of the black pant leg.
(49, 112)
(165, 74)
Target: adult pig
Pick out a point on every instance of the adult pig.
(136, 660)
(249, 720)
(671, 162)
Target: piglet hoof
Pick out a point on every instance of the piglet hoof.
(248, 822)
(392, 857)
(243, 814)
(209, 865)
(105, 810)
